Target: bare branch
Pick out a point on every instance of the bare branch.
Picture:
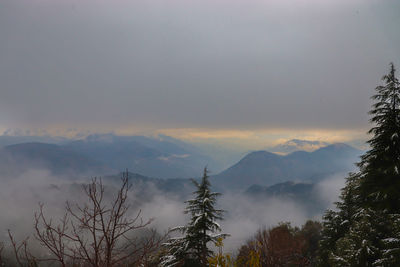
(94, 233)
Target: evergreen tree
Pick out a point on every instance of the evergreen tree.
(391, 245)
(192, 249)
(381, 164)
(358, 246)
(364, 231)
(337, 223)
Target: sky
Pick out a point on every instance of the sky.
(249, 71)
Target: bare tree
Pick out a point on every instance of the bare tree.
(22, 255)
(94, 234)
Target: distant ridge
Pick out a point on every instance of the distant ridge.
(101, 154)
(106, 154)
(15, 159)
(266, 168)
(155, 157)
(301, 193)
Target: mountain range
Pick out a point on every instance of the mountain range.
(266, 168)
(60, 161)
(161, 157)
(259, 174)
(165, 157)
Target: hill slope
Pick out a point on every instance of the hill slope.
(16, 159)
(265, 168)
(154, 157)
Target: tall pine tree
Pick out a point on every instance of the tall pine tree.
(192, 249)
(364, 231)
(337, 223)
(380, 185)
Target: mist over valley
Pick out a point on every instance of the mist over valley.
(261, 189)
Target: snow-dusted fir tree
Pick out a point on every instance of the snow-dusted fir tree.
(337, 222)
(192, 249)
(390, 255)
(358, 246)
(380, 165)
(371, 236)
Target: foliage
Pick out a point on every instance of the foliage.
(311, 233)
(380, 165)
(364, 231)
(357, 247)
(391, 245)
(282, 245)
(220, 259)
(337, 223)
(200, 231)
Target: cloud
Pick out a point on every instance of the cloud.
(19, 198)
(148, 65)
(245, 140)
(245, 216)
(329, 189)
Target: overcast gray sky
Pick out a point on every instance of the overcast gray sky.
(213, 65)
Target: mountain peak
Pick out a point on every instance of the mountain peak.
(259, 155)
(265, 168)
(297, 145)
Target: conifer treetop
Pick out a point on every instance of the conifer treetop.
(201, 229)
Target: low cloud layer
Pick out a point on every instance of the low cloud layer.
(19, 198)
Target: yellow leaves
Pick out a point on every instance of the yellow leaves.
(226, 260)
(220, 243)
(220, 259)
(254, 259)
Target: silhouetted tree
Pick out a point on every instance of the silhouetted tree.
(94, 234)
